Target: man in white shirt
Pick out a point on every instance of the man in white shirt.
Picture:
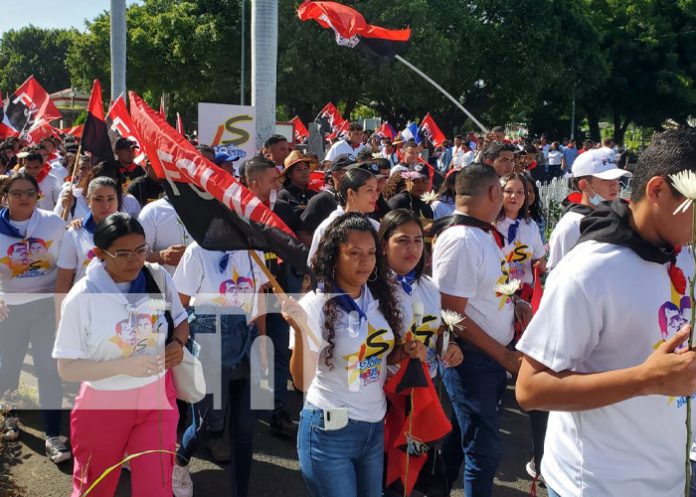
(49, 185)
(598, 353)
(468, 267)
(389, 152)
(353, 145)
(597, 180)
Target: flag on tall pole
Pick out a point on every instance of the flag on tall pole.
(431, 131)
(121, 126)
(29, 104)
(300, 130)
(95, 134)
(217, 210)
(329, 119)
(410, 132)
(353, 31)
(385, 131)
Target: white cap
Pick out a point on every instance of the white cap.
(597, 163)
(399, 168)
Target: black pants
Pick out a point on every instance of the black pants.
(538, 421)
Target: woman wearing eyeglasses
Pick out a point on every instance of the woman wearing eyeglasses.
(77, 250)
(30, 240)
(120, 344)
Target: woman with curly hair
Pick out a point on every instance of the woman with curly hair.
(345, 333)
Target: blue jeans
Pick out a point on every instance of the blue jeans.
(342, 463)
(278, 331)
(474, 388)
(551, 492)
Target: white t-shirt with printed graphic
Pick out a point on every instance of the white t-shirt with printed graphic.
(520, 252)
(98, 323)
(357, 379)
(564, 237)
(604, 309)
(200, 275)
(28, 264)
(77, 251)
(49, 189)
(163, 228)
(467, 263)
(426, 293)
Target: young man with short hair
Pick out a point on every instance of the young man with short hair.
(353, 145)
(49, 185)
(500, 156)
(600, 355)
(276, 148)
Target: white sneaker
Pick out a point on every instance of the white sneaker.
(57, 449)
(182, 485)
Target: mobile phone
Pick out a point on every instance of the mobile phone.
(335, 419)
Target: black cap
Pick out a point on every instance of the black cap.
(125, 144)
(421, 169)
(343, 162)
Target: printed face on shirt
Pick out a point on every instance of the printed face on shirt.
(135, 334)
(237, 291)
(28, 258)
(671, 319)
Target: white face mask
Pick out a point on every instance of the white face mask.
(596, 199)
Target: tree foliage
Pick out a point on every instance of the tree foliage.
(41, 52)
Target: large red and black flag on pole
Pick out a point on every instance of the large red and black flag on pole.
(300, 130)
(432, 131)
(415, 423)
(353, 31)
(95, 134)
(120, 125)
(217, 210)
(29, 104)
(329, 119)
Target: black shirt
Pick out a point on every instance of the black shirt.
(405, 200)
(297, 198)
(145, 189)
(381, 209)
(284, 211)
(318, 209)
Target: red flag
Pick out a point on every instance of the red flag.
(300, 131)
(385, 131)
(95, 136)
(29, 104)
(431, 131)
(121, 126)
(75, 131)
(537, 292)
(411, 395)
(40, 130)
(180, 125)
(341, 132)
(217, 210)
(352, 30)
(162, 111)
(329, 119)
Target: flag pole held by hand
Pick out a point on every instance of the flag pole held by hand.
(66, 210)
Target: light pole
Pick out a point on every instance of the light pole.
(264, 58)
(118, 48)
(242, 70)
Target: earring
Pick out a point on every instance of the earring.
(373, 277)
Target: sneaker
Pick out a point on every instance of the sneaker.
(282, 426)
(10, 428)
(57, 449)
(182, 486)
(531, 471)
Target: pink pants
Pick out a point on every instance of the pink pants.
(105, 425)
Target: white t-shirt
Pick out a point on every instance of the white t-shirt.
(425, 292)
(221, 279)
(564, 237)
(442, 208)
(28, 264)
(467, 158)
(520, 252)
(98, 323)
(81, 207)
(342, 147)
(49, 188)
(359, 358)
(604, 309)
(77, 251)
(163, 228)
(59, 171)
(130, 205)
(323, 226)
(467, 263)
(555, 157)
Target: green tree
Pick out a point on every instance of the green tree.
(41, 52)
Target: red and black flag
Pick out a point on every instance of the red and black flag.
(29, 104)
(121, 126)
(353, 31)
(329, 119)
(217, 210)
(415, 423)
(95, 134)
(300, 130)
(432, 131)
(385, 131)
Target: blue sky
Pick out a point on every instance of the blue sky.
(15, 14)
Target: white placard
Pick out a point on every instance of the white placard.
(228, 127)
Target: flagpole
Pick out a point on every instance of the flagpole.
(66, 210)
(279, 292)
(442, 90)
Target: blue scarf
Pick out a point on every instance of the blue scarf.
(137, 288)
(407, 281)
(512, 231)
(89, 224)
(348, 304)
(224, 261)
(5, 227)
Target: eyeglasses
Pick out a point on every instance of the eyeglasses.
(22, 193)
(126, 255)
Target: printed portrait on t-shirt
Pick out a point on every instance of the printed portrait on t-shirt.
(365, 365)
(28, 258)
(135, 334)
(517, 256)
(237, 291)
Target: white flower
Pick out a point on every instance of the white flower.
(418, 308)
(509, 288)
(451, 318)
(429, 197)
(159, 305)
(685, 183)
